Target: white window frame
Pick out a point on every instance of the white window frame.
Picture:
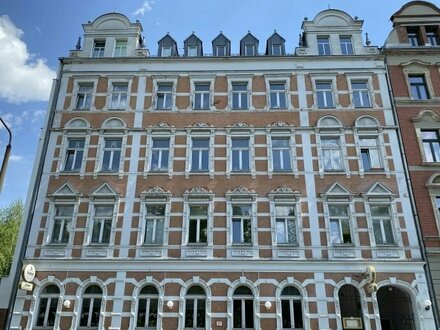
(102, 220)
(112, 151)
(324, 51)
(75, 149)
(362, 93)
(166, 51)
(160, 151)
(200, 153)
(120, 51)
(92, 298)
(89, 94)
(332, 150)
(250, 47)
(167, 132)
(277, 46)
(240, 95)
(148, 297)
(433, 186)
(285, 219)
(340, 219)
(241, 152)
(119, 94)
(370, 149)
(224, 47)
(389, 219)
(245, 132)
(280, 95)
(101, 200)
(49, 296)
(155, 219)
(169, 94)
(65, 220)
(292, 299)
(100, 50)
(243, 298)
(193, 51)
(418, 68)
(326, 94)
(345, 46)
(202, 94)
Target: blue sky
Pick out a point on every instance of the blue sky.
(35, 33)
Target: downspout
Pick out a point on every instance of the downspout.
(32, 198)
(413, 203)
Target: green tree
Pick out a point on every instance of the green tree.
(10, 220)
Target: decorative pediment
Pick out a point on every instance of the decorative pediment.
(198, 191)
(378, 189)
(113, 123)
(337, 190)
(426, 115)
(366, 122)
(240, 190)
(283, 190)
(240, 125)
(156, 190)
(434, 181)
(201, 125)
(416, 64)
(66, 191)
(329, 121)
(77, 123)
(279, 124)
(105, 190)
(161, 125)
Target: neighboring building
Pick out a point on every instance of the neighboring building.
(412, 54)
(223, 191)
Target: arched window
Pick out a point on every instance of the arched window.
(148, 308)
(195, 308)
(291, 308)
(243, 313)
(91, 307)
(47, 309)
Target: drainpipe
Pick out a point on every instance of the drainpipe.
(32, 198)
(413, 203)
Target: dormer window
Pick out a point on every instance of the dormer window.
(323, 46)
(192, 50)
(413, 36)
(249, 50)
(120, 48)
(276, 49)
(346, 45)
(166, 51)
(220, 51)
(98, 48)
(432, 35)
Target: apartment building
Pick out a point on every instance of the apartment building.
(412, 51)
(249, 191)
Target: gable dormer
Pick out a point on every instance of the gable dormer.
(193, 46)
(221, 46)
(333, 32)
(249, 45)
(167, 47)
(275, 45)
(110, 35)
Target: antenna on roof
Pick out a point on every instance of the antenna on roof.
(78, 44)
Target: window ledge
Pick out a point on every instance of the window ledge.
(430, 164)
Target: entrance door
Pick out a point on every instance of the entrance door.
(395, 309)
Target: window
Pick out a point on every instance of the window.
(201, 96)
(249, 49)
(324, 94)
(119, 96)
(370, 153)
(276, 49)
(437, 204)
(192, 50)
(281, 154)
(112, 154)
(382, 227)
(74, 155)
(120, 48)
(200, 154)
(91, 307)
(240, 154)
(47, 309)
(195, 308)
(239, 96)
(323, 46)
(278, 95)
(84, 97)
(285, 224)
(431, 145)
(339, 224)
(243, 308)
(61, 222)
(419, 90)
(164, 96)
(361, 97)
(166, 51)
(198, 224)
(241, 224)
(291, 308)
(102, 224)
(220, 50)
(148, 308)
(98, 48)
(331, 153)
(346, 45)
(160, 154)
(154, 224)
(432, 35)
(413, 36)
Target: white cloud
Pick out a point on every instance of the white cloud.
(28, 120)
(146, 6)
(15, 158)
(23, 78)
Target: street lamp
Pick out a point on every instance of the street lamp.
(6, 157)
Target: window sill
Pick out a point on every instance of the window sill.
(282, 171)
(199, 172)
(117, 109)
(374, 170)
(242, 245)
(240, 171)
(287, 245)
(163, 109)
(159, 171)
(430, 163)
(70, 172)
(335, 171)
(199, 245)
(55, 244)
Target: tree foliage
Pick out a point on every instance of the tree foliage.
(10, 220)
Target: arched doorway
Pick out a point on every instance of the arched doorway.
(395, 309)
(350, 306)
